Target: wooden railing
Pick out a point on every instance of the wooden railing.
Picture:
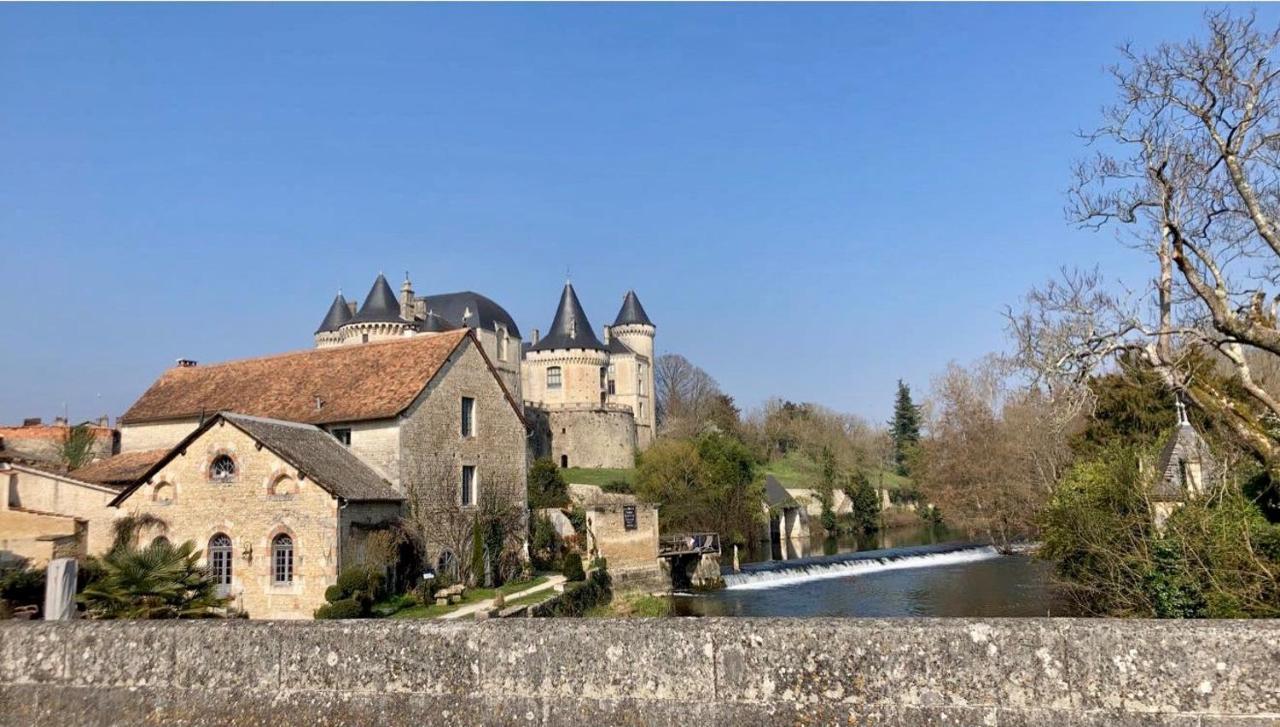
(681, 543)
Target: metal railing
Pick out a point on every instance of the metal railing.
(681, 543)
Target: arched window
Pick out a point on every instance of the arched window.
(282, 559)
(553, 377)
(284, 485)
(222, 469)
(220, 562)
(163, 493)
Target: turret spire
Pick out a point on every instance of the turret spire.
(339, 313)
(632, 313)
(570, 328)
(380, 306)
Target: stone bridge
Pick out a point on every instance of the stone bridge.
(686, 672)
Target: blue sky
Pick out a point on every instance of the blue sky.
(811, 200)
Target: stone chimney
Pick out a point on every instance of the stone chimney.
(59, 421)
(606, 335)
(186, 363)
(536, 336)
(32, 422)
(406, 298)
(104, 421)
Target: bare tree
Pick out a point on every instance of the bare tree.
(1186, 166)
(684, 390)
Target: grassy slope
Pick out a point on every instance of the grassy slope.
(797, 470)
(583, 476)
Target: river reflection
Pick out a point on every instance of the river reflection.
(1014, 585)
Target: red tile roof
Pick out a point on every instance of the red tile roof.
(121, 469)
(320, 386)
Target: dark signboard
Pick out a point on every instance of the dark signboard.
(629, 517)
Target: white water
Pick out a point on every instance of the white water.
(818, 571)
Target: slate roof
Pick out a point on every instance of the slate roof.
(316, 454)
(632, 312)
(570, 328)
(1185, 444)
(380, 306)
(435, 323)
(776, 495)
(120, 470)
(339, 314)
(353, 383)
(617, 346)
(484, 311)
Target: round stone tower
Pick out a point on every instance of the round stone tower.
(633, 328)
(330, 331)
(379, 318)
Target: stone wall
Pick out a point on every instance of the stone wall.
(155, 435)
(589, 436)
(45, 492)
(632, 554)
(712, 672)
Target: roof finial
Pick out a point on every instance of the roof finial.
(1182, 411)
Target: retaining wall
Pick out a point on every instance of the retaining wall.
(703, 672)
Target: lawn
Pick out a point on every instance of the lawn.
(585, 476)
(473, 595)
(632, 605)
(797, 470)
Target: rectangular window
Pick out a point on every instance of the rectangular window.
(468, 416)
(553, 377)
(343, 436)
(613, 385)
(468, 485)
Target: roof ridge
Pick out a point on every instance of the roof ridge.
(327, 350)
(268, 420)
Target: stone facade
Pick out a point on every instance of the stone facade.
(30, 489)
(632, 555)
(651, 672)
(266, 497)
(584, 436)
(434, 451)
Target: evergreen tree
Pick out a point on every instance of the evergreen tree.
(905, 427)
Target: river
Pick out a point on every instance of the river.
(914, 571)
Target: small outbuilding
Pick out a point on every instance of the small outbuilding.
(623, 531)
(1184, 470)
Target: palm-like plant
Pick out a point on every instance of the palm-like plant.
(158, 581)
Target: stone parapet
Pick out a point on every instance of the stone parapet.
(713, 671)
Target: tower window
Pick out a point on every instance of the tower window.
(500, 331)
(553, 377)
(468, 495)
(468, 416)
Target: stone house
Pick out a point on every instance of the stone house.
(430, 414)
(623, 531)
(36, 441)
(60, 499)
(276, 507)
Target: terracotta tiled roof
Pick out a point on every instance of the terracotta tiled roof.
(51, 432)
(320, 386)
(120, 470)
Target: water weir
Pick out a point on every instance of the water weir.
(774, 574)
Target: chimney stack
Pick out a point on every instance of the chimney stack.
(186, 363)
(32, 422)
(606, 335)
(536, 336)
(104, 421)
(59, 421)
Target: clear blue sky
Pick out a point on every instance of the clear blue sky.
(811, 201)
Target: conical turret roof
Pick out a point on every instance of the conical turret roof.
(570, 329)
(339, 313)
(380, 306)
(632, 313)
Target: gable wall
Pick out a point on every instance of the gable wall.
(245, 511)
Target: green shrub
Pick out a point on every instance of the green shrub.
(578, 598)
(621, 487)
(22, 586)
(333, 593)
(547, 487)
(351, 581)
(342, 608)
(571, 568)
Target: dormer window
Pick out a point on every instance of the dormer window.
(500, 332)
(223, 469)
